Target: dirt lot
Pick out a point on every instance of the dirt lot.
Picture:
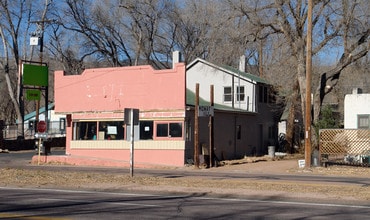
(21, 177)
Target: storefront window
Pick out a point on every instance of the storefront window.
(175, 129)
(85, 131)
(115, 130)
(162, 130)
(171, 130)
(111, 130)
(108, 130)
(146, 130)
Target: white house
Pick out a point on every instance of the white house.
(357, 110)
(244, 120)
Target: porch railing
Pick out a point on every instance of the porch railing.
(55, 129)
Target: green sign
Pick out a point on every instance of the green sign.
(33, 94)
(34, 75)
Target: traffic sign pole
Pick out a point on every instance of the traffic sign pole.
(41, 128)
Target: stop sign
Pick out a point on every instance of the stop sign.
(41, 126)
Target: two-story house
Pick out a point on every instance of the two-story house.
(244, 120)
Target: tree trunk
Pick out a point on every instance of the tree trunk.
(9, 85)
(290, 130)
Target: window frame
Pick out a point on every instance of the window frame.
(168, 137)
(229, 95)
(239, 94)
(360, 118)
(93, 135)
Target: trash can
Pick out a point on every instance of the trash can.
(315, 158)
(271, 151)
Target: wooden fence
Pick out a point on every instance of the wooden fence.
(345, 145)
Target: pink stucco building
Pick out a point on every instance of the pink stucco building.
(94, 103)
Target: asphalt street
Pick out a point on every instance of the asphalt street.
(23, 203)
(40, 204)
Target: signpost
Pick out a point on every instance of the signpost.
(203, 111)
(41, 129)
(132, 119)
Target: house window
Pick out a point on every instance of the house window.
(260, 94)
(363, 121)
(171, 130)
(228, 94)
(240, 93)
(263, 94)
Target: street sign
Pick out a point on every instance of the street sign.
(41, 126)
(128, 115)
(205, 111)
(41, 135)
(33, 94)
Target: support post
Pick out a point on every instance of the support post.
(132, 143)
(196, 127)
(211, 134)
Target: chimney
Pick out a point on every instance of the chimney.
(176, 56)
(356, 91)
(242, 63)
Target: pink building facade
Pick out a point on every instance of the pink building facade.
(94, 103)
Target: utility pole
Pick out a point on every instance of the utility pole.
(40, 34)
(308, 87)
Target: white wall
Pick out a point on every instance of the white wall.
(355, 104)
(206, 75)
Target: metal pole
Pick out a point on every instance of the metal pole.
(196, 127)
(132, 143)
(308, 87)
(39, 151)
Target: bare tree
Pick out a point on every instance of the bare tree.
(15, 20)
(288, 18)
(354, 34)
(128, 34)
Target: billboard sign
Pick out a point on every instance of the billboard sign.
(35, 75)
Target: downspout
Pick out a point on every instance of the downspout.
(235, 134)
